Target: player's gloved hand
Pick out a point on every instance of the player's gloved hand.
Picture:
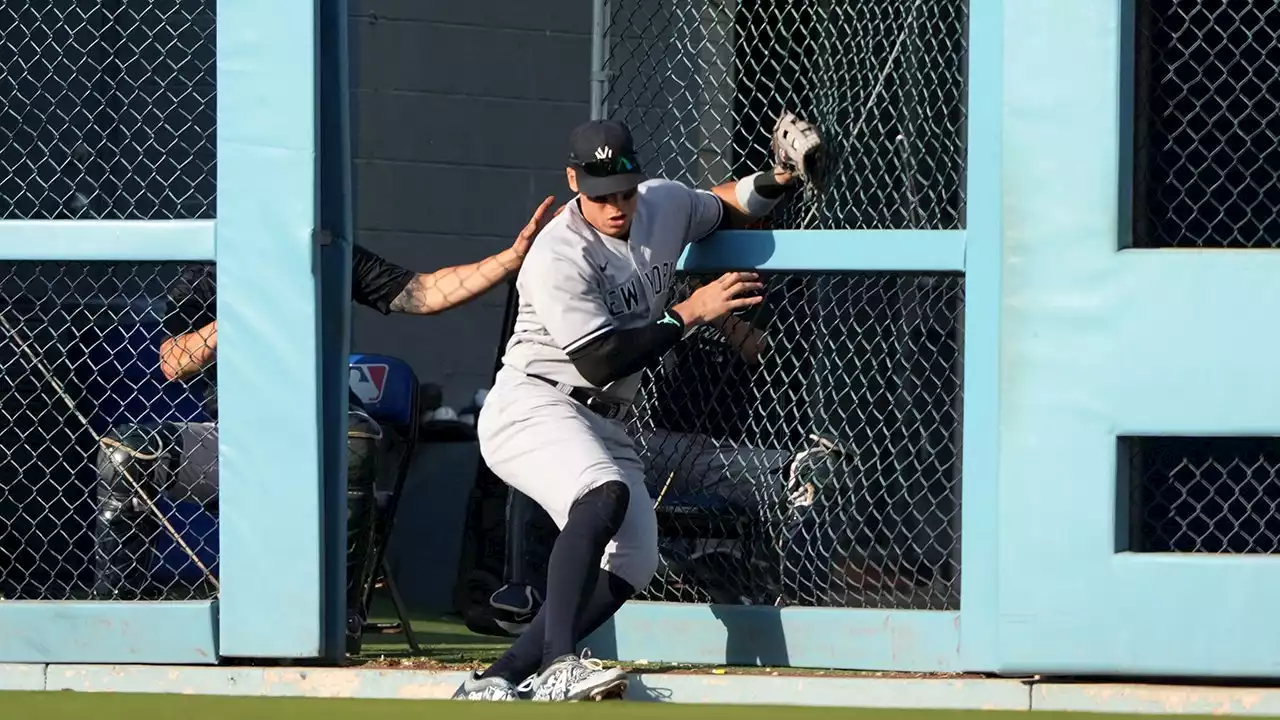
(798, 150)
(730, 292)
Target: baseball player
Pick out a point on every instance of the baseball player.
(592, 314)
(181, 459)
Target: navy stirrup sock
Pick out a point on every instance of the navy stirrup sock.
(575, 562)
(578, 593)
(524, 657)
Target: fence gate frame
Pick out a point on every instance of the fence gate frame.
(1163, 346)
(870, 639)
(282, 157)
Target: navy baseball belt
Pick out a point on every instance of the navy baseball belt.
(604, 407)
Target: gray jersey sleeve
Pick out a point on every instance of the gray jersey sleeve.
(565, 295)
(705, 213)
(693, 213)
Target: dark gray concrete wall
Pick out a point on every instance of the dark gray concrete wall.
(462, 109)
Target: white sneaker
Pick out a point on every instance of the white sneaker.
(478, 688)
(572, 678)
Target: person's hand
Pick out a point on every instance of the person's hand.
(524, 240)
(730, 292)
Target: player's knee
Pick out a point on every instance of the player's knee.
(608, 503)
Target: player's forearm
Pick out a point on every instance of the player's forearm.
(734, 330)
(188, 354)
(620, 353)
(430, 293)
(748, 199)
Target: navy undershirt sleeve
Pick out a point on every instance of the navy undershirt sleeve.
(619, 353)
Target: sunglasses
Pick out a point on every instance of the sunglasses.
(608, 166)
(614, 198)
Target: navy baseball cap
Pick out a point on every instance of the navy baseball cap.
(605, 157)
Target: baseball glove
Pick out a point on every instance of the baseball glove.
(798, 147)
(821, 470)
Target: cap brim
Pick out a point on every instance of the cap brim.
(597, 186)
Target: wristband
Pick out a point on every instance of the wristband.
(759, 193)
(671, 317)
(767, 185)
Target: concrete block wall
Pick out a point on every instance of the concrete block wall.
(461, 110)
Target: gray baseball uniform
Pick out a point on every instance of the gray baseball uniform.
(575, 285)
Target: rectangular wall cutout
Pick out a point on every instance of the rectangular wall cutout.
(1204, 153)
(110, 111)
(1199, 494)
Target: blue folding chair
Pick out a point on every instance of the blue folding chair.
(390, 393)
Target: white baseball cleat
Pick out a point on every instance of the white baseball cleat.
(478, 688)
(572, 678)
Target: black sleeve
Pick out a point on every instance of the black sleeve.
(192, 301)
(376, 281)
(619, 353)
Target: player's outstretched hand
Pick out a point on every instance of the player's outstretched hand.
(728, 293)
(524, 240)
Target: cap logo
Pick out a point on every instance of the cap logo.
(603, 153)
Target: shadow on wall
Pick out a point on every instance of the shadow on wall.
(753, 637)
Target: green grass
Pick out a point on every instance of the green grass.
(110, 706)
(444, 640)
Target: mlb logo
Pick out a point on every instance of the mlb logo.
(368, 381)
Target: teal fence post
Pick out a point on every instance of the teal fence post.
(272, 546)
(335, 308)
(980, 470)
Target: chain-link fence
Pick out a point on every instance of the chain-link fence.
(701, 82)
(107, 109)
(1203, 495)
(808, 454)
(108, 484)
(815, 463)
(1205, 142)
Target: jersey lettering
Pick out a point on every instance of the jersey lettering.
(625, 298)
(575, 285)
(659, 277)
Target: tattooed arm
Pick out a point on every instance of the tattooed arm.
(428, 293)
(190, 328)
(389, 288)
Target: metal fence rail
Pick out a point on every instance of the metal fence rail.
(107, 109)
(701, 84)
(821, 468)
(102, 497)
(1205, 145)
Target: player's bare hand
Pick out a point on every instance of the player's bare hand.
(730, 292)
(524, 240)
